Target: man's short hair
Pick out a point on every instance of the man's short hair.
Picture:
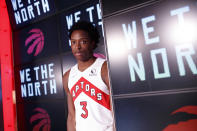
(89, 28)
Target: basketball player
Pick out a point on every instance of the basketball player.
(87, 83)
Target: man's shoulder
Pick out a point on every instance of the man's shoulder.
(69, 70)
(66, 75)
(101, 61)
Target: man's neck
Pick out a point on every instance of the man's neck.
(83, 65)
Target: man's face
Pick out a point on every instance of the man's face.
(82, 46)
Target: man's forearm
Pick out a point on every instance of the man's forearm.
(71, 124)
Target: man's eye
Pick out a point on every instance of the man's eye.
(73, 42)
(83, 42)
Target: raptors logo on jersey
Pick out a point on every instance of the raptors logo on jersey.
(91, 98)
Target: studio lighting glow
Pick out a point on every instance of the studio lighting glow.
(184, 33)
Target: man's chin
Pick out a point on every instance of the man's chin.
(81, 58)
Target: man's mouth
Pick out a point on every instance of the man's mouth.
(78, 53)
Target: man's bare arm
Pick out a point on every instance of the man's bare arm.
(104, 74)
(71, 126)
(105, 77)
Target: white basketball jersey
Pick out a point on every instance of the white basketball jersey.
(91, 98)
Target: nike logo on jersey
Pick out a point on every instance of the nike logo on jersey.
(83, 85)
(93, 72)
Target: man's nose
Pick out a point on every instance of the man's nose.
(78, 45)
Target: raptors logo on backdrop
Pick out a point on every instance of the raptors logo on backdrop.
(35, 42)
(42, 120)
(189, 125)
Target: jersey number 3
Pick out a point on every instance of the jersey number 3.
(84, 107)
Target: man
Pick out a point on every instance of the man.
(87, 83)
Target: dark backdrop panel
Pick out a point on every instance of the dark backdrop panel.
(67, 4)
(36, 41)
(46, 116)
(156, 113)
(1, 106)
(158, 61)
(39, 80)
(25, 12)
(89, 11)
(111, 6)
